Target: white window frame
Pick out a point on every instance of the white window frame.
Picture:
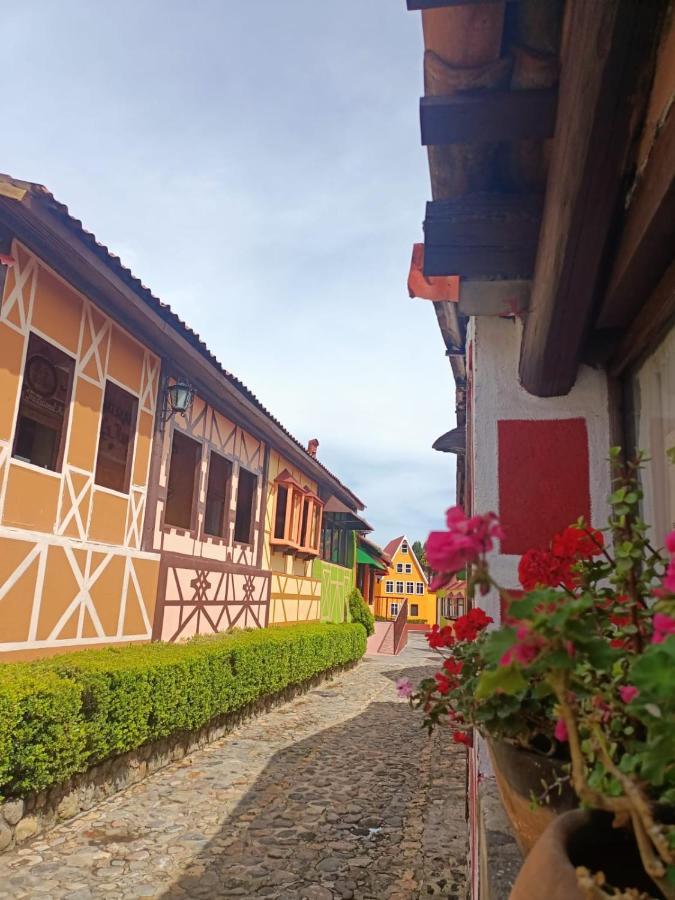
(399, 587)
(408, 568)
(399, 568)
(393, 609)
(404, 547)
(410, 587)
(419, 589)
(389, 587)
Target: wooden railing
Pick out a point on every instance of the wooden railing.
(400, 623)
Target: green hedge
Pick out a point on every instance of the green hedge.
(60, 716)
(360, 612)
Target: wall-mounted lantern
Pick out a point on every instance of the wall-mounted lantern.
(177, 399)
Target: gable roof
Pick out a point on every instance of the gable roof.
(392, 548)
(27, 200)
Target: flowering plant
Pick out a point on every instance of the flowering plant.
(588, 651)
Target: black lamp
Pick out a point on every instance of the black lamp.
(177, 398)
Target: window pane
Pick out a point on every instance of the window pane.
(216, 492)
(399, 587)
(243, 523)
(654, 403)
(280, 514)
(414, 609)
(186, 456)
(116, 439)
(305, 520)
(44, 403)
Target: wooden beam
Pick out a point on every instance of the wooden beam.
(605, 78)
(647, 242)
(488, 116)
(487, 235)
(438, 4)
(650, 326)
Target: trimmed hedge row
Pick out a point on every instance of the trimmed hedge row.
(62, 715)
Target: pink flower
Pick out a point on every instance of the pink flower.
(465, 540)
(669, 578)
(670, 543)
(628, 692)
(664, 626)
(404, 687)
(560, 731)
(526, 650)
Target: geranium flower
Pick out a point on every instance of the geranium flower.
(404, 687)
(467, 627)
(440, 637)
(453, 666)
(577, 543)
(628, 692)
(443, 684)
(540, 568)
(527, 648)
(664, 626)
(467, 538)
(462, 737)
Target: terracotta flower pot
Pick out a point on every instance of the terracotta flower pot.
(520, 774)
(580, 838)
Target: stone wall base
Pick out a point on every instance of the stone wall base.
(499, 856)
(24, 818)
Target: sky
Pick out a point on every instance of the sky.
(258, 166)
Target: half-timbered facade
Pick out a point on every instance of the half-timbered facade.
(145, 493)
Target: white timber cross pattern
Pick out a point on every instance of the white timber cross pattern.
(16, 297)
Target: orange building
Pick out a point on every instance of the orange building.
(404, 580)
(144, 491)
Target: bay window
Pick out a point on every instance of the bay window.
(297, 517)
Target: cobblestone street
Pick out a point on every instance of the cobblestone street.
(337, 794)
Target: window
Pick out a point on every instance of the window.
(653, 406)
(399, 567)
(220, 471)
(43, 408)
(394, 609)
(116, 439)
(389, 587)
(186, 456)
(414, 609)
(410, 587)
(399, 587)
(297, 516)
(404, 547)
(243, 520)
(420, 587)
(408, 568)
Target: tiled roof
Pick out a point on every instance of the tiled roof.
(45, 196)
(392, 546)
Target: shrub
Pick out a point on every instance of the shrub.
(358, 609)
(60, 716)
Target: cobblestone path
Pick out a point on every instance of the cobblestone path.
(338, 794)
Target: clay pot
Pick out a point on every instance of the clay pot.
(520, 774)
(580, 838)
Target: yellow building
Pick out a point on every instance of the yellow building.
(404, 580)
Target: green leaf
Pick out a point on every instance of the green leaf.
(506, 679)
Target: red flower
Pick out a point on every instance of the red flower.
(443, 684)
(526, 650)
(539, 568)
(577, 543)
(560, 731)
(453, 666)
(628, 692)
(664, 626)
(440, 637)
(467, 627)
(462, 737)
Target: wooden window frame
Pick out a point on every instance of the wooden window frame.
(131, 449)
(253, 522)
(67, 410)
(167, 527)
(204, 535)
(298, 497)
(415, 610)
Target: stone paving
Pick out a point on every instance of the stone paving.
(338, 794)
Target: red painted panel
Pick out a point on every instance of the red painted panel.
(543, 479)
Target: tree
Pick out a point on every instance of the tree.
(418, 550)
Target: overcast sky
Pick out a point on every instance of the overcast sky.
(257, 164)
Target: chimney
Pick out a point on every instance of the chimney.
(312, 447)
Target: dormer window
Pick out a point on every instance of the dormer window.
(404, 547)
(297, 517)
